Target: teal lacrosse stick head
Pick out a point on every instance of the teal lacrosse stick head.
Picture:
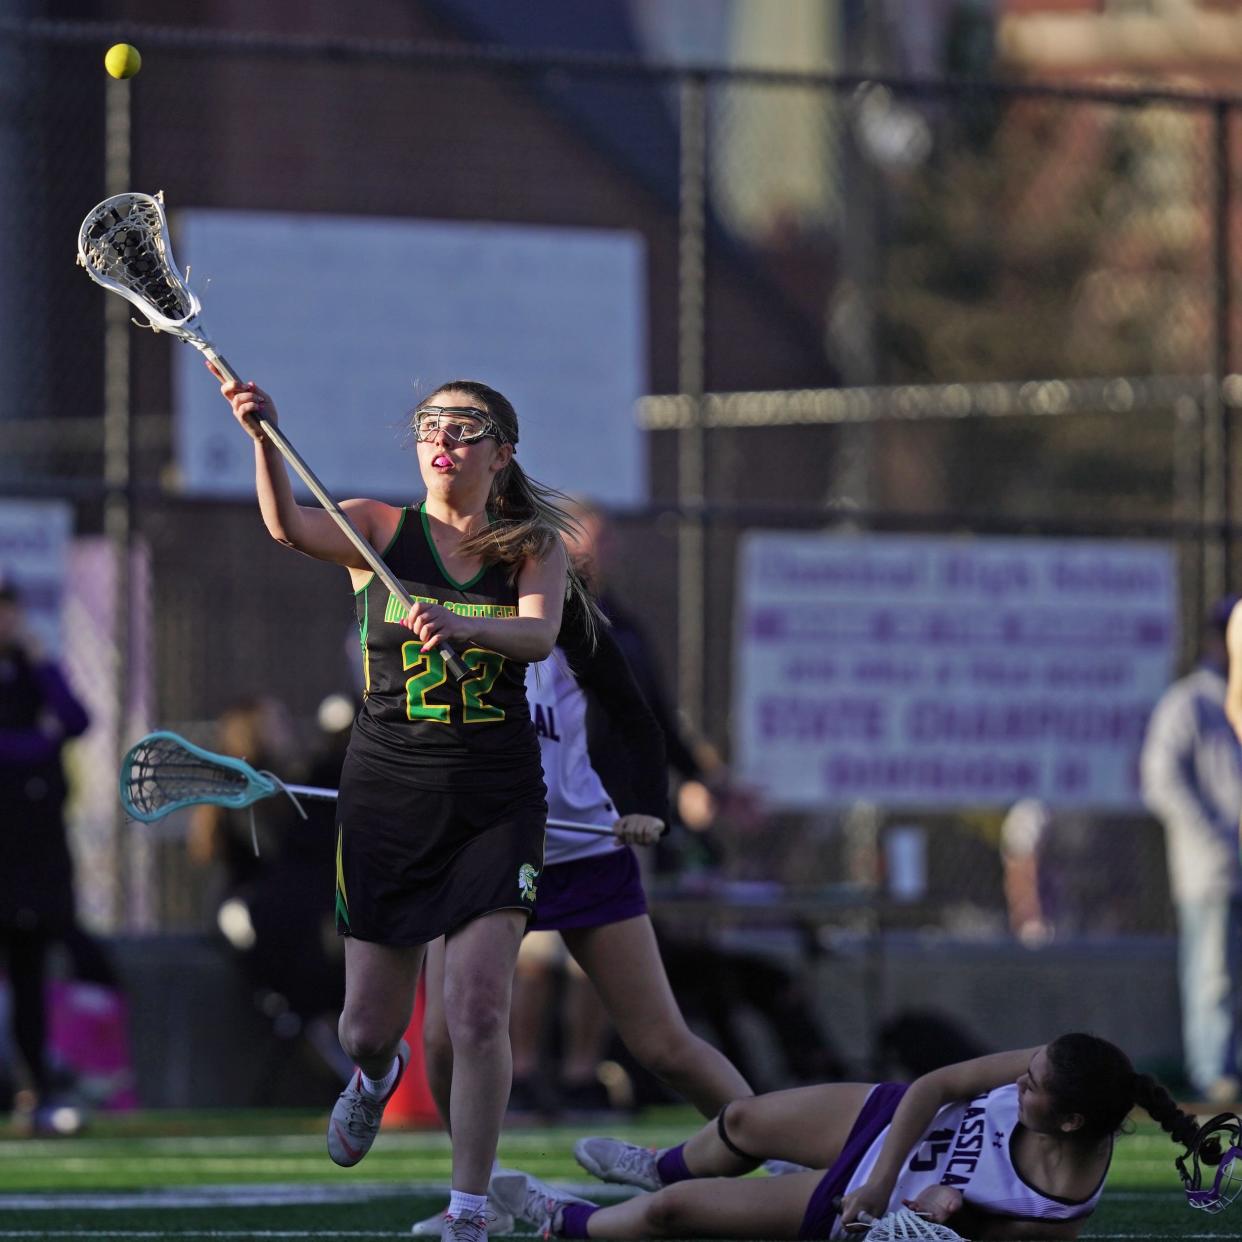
(163, 772)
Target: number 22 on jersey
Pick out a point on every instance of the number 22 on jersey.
(430, 673)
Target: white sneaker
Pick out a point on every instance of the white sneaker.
(498, 1221)
(357, 1114)
(530, 1200)
(464, 1228)
(611, 1160)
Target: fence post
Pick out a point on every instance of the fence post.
(691, 375)
(117, 470)
(1217, 507)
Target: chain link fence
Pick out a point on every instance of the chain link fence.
(873, 305)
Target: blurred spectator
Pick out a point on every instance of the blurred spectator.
(1065, 874)
(1192, 781)
(1030, 892)
(38, 713)
(276, 908)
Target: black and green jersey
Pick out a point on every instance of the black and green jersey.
(416, 721)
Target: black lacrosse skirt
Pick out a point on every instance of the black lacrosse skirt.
(416, 863)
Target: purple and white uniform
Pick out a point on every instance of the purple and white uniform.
(575, 791)
(969, 1145)
(588, 880)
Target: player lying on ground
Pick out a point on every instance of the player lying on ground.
(1013, 1145)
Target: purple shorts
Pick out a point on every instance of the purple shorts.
(877, 1111)
(590, 892)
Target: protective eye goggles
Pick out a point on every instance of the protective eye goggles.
(462, 424)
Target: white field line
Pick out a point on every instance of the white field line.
(258, 1195)
(87, 1233)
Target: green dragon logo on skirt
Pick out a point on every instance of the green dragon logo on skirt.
(527, 875)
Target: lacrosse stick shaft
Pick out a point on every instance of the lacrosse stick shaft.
(459, 671)
(330, 795)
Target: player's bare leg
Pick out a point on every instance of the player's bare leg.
(623, 961)
(478, 980)
(771, 1207)
(808, 1125)
(437, 1048)
(713, 1208)
(379, 995)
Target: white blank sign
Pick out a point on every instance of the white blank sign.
(348, 321)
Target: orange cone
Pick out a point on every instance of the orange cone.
(412, 1105)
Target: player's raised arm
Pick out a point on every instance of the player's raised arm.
(925, 1097)
(308, 529)
(528, 637)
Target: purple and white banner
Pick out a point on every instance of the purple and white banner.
(915, 671)
(34, 544)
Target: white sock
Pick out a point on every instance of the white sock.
(381, 1086)
(464, 1205)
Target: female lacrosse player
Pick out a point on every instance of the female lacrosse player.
(590, 890)
(441, 809)
(1013, 1145)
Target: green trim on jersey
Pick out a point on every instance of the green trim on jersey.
(431, 543)
(364, 628)
(405, 509)
(342, 897)
(387, 547)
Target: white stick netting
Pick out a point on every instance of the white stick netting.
(123, 244)
(908, 1224)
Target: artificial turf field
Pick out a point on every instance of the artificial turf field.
(266, 1175)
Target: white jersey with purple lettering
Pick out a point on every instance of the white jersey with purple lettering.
(575, 792)
(968, 1145)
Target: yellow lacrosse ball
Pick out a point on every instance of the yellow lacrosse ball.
(122, 60)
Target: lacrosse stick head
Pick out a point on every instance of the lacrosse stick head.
(1211, 1169)
(906, 1223)
(124, 245)
(163, 772)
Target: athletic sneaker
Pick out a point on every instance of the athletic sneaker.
(357, 1114)
(611, 1160)
(530, 1200)
(498, 1221)
(464, 1228)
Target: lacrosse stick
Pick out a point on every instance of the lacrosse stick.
(902, 1224)
(1217, 1145)
(124, 245)
(163, 773)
